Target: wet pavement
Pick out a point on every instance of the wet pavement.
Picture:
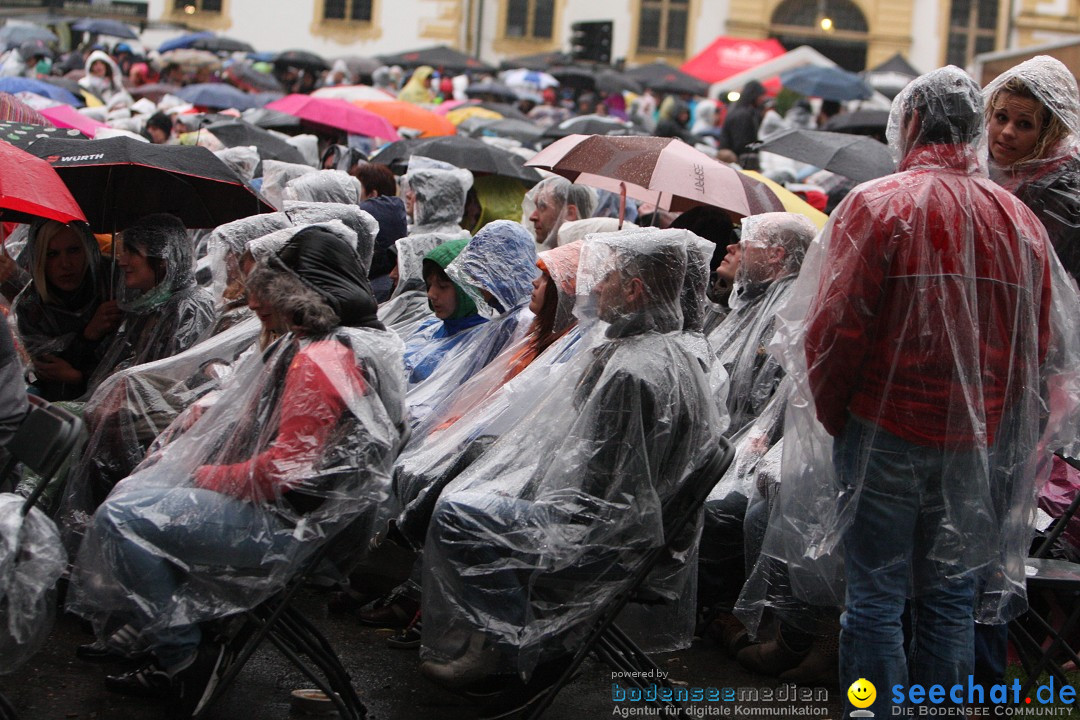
(54, 685)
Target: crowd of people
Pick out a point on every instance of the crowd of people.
(506, 396)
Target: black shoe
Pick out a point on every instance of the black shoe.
(99, 652)
(407, 639)
(196, 683)
(148, 680)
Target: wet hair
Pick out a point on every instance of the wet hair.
(1051, 128)
(583, 198)
(161, 121)
(297, 303)
(45, 232)
(377, 177)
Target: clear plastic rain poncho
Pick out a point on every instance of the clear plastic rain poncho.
(439, 190)
(408, 303)
(328, 186)
(930, 314)
(496, 269)
(171, 316)
(474, 415)
(298, 447)
(276, 175)
(242, 160)
(31, 561)
(51, 321)
(358, 221)
(574, 230)
(549, 199)
(532, 539)
(226, 246)
(1047, 178)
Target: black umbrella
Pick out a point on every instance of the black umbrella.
(524, 132)
(590, 125)
(494, 90)
(539, 61)
(464, 152)
(611, 81)
(222, 44)
(360, 66)
(154, 91)
(440, 57)
(22, 135)
(508, 111)
(249, 79)
(860, 122)
(603, 79)
(854, 156)
(118, 180)
(301, 59)
(663, 78)
(271, 119)
(15, 35)
(236, 133)
(104, 26)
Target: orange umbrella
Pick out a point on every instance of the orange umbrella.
(405, 114)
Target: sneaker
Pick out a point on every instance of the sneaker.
(396, 613)
(477, 663)
(148, 680)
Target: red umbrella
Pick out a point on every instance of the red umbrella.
(30, 188)
(663, 171)
(336, 114)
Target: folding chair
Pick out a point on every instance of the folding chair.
(1059, 578)
(45, 438)
(610, 644)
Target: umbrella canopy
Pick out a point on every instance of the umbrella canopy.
(504, 109)
(235, 133)
(855, 156)
(352, 93)
(663, 78)
(440, 57)
(589, 125)
(471, 112)
(860, 122)
(271, 119)
(248, 79)
(336, 114)
(12, 109)
(604, 79)
(464, 152)
(407, 115)
(760, 196)
(524, 132)
(222, 44)
(154, 91)
(791, 202)
(538, 61)
(360, 66)
(728, 56)
(30, 188)
(191, 60)
(65, 116)
(104, 26)
(15, 35)
(301, 59)
(183, 42)
(664, 171)
(526, 79)
(828, 83)
(118, 180)
(38, 87)
(217, 96)
(22, 135)
(491, 89)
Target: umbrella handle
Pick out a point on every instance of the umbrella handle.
(622, 203)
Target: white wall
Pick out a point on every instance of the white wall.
(926, 50)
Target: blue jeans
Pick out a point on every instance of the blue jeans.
(203, 528)
(897, 521)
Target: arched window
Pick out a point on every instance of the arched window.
(835, 28)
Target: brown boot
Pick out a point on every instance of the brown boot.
(821, 668)
(729, 633)
(771, 657)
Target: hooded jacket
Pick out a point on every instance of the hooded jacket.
(389, 212)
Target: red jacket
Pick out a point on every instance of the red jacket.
(932, 311)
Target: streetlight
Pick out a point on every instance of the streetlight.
(826, 24)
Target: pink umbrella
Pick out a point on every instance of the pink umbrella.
(336, 114)
(65, 116)
(663, 171)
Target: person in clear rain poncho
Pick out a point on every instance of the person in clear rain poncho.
(408, 305)
(573, 493)
(326, 186)
(298, 448)
(435, 197)
(771, 252)
(496, 270)
(277, 175)
(1033, 119)
(931, 344)
(550, 203)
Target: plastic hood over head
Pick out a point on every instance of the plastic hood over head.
(575, 230)
(329, 186)
(791, 232)
(440, 196)
(243, 160)
(234, 236)
(937, 121)
(1049, 81)
(410, 259)
(360, 222)
(561, 265)
(501, 260)
(556, 192)
(699, 252)
(276, 175)
(633, 280)
(325, 263)
(163, 237)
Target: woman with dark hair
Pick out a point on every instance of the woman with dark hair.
(62, 315)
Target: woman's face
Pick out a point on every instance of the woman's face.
(540, 285)
(266, 314)
(99, 68)
(65, 260)
(1014, 128)
(138, 274)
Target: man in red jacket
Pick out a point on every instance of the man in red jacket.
(923, 347)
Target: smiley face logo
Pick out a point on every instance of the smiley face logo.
(862, 693)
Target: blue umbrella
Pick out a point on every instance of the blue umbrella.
(184, 41)
(104, 26)
(218, 95)
(827, 83)
(53, 92)
(15, 35)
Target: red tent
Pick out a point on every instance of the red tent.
(728, 56)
